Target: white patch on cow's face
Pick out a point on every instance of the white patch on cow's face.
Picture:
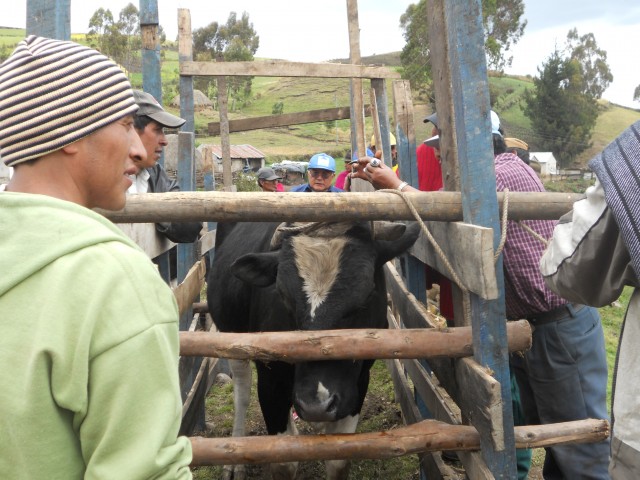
(323, 392)
(345, 425)
(318, 262)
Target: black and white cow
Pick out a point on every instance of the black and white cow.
(324, 279)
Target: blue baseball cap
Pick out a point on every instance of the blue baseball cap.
(323, 161)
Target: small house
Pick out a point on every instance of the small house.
(245, 158)
(547, 162)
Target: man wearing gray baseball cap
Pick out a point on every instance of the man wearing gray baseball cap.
(150, 121)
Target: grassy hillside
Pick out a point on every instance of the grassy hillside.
(300, 94)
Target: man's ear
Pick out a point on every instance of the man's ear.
(72, 148)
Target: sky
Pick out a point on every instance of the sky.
(317, 31)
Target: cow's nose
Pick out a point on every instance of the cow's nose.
(324, 410)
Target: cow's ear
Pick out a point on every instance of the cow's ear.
(391, 249)
(259, 269)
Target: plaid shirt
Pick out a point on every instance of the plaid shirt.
(525, 290)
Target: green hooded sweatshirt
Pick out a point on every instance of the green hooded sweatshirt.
(88, 350)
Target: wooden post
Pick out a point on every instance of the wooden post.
(376, 123)
(457, 33)
(48, 18)
(186, 180)
(185, 53)
(357, 109)
(379, 88)
(225, 145)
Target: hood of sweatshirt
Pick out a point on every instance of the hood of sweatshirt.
(36, 230)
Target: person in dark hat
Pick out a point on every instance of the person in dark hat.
(268, 179)
(150, 123)
(89, 338)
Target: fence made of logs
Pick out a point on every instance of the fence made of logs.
(465, 384)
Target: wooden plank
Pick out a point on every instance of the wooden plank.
(278, 68)
(484, 408)
(48, 18)
(431, 462)
(469, 250)
(406, 145)
(286, 119)
(448, 377)
(190, 287)
(288, 206)
(405, 138)
(207, 242)
(147, 238)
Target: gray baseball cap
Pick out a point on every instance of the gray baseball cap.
(266, 173)
(148, 106)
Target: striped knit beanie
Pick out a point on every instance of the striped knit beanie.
(53, 93)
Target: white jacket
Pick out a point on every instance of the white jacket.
(588, 262)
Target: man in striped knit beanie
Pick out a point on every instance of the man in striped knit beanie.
(89, 344)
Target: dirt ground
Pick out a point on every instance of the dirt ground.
(380, 412)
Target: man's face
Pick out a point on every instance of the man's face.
(269, 185)
(320, 180)
(154, 140)
(106, 159)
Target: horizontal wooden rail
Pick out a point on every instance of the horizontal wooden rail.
(344, 344)
(299, 207)
(286, 119)
(424, 436)
(279, 68)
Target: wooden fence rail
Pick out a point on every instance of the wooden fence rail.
(344, 344)
(297, 207)
(424, 436)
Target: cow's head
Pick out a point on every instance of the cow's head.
(330, 278)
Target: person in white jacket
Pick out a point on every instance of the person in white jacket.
(593, 254)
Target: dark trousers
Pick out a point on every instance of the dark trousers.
(563, 377)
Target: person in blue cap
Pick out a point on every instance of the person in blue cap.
(321, 170)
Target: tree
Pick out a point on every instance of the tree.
(503, 28)
(593, 61)
(234, 41)
(636, 94)
(562, 114)
(116, 39)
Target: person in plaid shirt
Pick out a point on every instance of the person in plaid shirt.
(563, 377)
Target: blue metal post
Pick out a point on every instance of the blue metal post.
(49, 18)
(469, 96)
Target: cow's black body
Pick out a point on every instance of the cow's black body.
(253, 288)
